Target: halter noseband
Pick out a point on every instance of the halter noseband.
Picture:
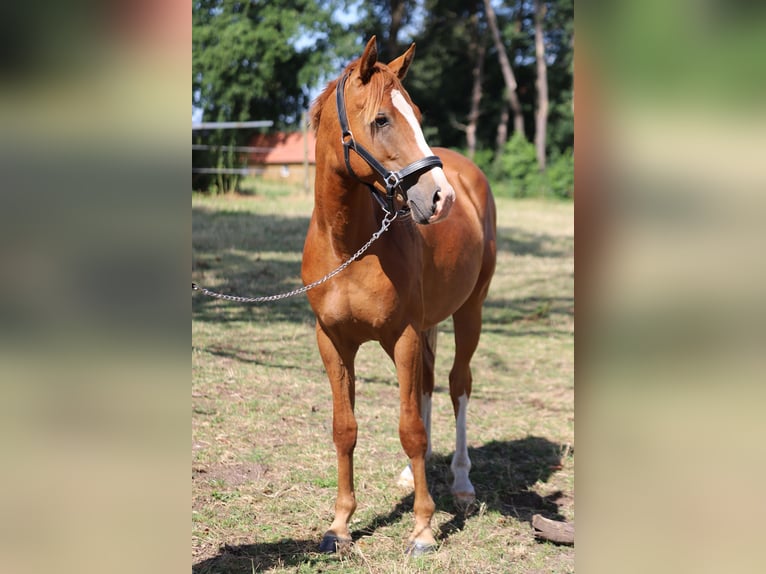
(402, 179)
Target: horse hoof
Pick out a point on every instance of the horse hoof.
(415, 549)
(331, 543)
(464, 499)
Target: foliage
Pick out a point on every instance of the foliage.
(559, 21)
(257, 61)
(441, 79)
(559, 175)
(516, 169)
(516, 173)
(483, 158)
(385, 19)
(265, 59)
(561, 124)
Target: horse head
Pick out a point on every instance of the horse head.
(382, 125)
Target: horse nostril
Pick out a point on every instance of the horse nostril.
(436, 195)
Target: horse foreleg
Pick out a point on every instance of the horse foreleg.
(428, 338)
(339, 364)
(412, 433)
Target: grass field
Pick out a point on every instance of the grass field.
(263, 462)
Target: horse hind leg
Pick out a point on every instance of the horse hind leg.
(428, 338)
(467, 322)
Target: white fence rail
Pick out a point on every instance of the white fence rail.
(229, 170)
(232, 125)
(246, 149)
(244, 171)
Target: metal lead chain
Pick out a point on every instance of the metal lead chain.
(387, 220)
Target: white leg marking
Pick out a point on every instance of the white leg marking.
(462, 488)
(400, 103)
(406, 480)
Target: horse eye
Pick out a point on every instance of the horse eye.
(381, 121)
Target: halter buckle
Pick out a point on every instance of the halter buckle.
(392, 180)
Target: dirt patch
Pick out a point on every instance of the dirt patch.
(231, 475)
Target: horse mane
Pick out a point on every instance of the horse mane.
(376, 87)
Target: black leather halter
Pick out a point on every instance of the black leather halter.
(393, 180)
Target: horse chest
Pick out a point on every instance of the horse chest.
(369, 300)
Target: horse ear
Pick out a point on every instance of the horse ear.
(367, 62)
(402, 63)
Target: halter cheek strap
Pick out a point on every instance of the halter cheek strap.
(393, 180)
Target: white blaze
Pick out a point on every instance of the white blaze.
(400, 103)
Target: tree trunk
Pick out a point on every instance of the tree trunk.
(571, 46)
(502, 131)
(541, 117)
(391, 48)
(505, 67)
(479, 49)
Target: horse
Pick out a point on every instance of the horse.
(436, 260)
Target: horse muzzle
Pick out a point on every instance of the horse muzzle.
(431, 203)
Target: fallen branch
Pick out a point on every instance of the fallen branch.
(559, 532)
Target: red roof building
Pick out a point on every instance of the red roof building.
(283, 156)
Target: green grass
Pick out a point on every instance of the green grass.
(263, 463)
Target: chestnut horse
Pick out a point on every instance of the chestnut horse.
(368, 139)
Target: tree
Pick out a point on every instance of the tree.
(447, 78)
(508, 76)
(541, 117)
(458, 81)
(559, 34)
(385, 19)
(263, 59)
(257, 60)
(475, 51)
(478, 50)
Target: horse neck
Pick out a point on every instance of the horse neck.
(344, 208)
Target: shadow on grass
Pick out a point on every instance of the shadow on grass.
(250, 255)
(523, 317)
(503, 473)
(521, 242)
(246, 356)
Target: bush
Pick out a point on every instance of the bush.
(516, 173)
(516, 170)
(483, 158)
(560, 175)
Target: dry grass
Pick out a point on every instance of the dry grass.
(263, 466)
